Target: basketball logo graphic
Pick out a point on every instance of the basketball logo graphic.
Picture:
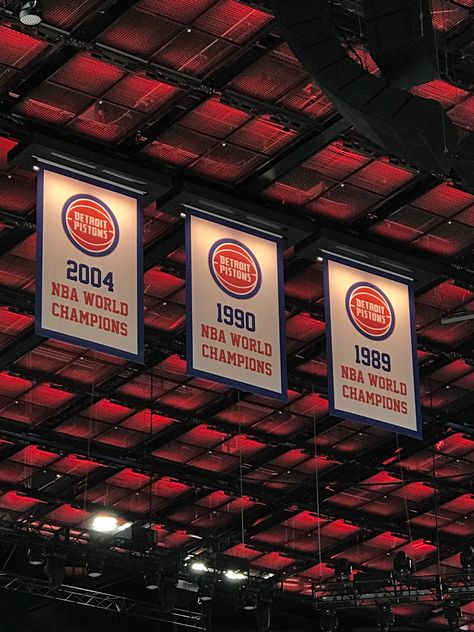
(235, 268)
(370, 311)
(90, 225)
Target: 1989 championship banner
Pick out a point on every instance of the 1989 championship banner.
(235, 323)
(89, 264)
(371, 346)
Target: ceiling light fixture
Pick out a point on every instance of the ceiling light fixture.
(457, 317)
(402, 566)
(152, 581)
(205, 593)
(35, 556)
(105, 523)
(235, 575)
(30, 13)
(95, 570)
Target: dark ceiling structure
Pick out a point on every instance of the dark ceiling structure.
(206, 101)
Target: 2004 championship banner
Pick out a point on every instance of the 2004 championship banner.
(371, 346)
(235, 324)
(89, 264)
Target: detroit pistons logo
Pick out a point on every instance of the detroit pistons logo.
(90, 225)
(370, 311)
(235, 268)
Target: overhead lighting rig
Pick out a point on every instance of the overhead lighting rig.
(31, 13)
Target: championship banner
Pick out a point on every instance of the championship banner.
(235, 305)
(371, 346)
(89, 263)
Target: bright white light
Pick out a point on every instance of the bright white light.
(235, 575)
(199, 567)
(105, 523)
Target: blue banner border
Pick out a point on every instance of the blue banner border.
(278, 395)
(350, 263)
(139, 356)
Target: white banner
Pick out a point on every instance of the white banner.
(235, 305)
(89, 264)
(371, 346)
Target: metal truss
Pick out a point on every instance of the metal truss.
(369, 593)
(103, 601)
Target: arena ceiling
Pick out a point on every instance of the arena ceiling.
(206, 95)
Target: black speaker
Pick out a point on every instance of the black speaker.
(415, 129)
(401, 39)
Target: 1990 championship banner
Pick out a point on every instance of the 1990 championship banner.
(372, 362)
(89, 264)
(235, 305)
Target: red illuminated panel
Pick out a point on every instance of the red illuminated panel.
(141, 93)
(228, 162)
(169, 488)
(106, 121)
(194, 52)
(139, 33)
(88, 74)
(6, 145)
(160, 284)
(167, 317)
(306, 286)
(179, 146)
(381, 177)
(203, 436)
(15, 501)
(215, 462)
(446, 93)
(463, 114)
(447, 239)
(310, 405)
(147, 422)
(187, 398)
(107, 411)
(244, 414)
(447, 15)
(445, 200)
(273, 561)
(35, 456)
(268, 79)
(53, 104)
(13, 386)
(264, 136)
(282, 423)
(64, 14)
(243, 551)
(232, 21)
(73, 465)
(19, 49)
(181, 11)
(337, 161)
(304, 327)
(129, 479)
(446, 295)
(309, 100)
(241, 445)
(17, 194)
(298, 187)
(406, 224)
(343, 202)
(67, 514)
(49, 396)
(215, 119)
